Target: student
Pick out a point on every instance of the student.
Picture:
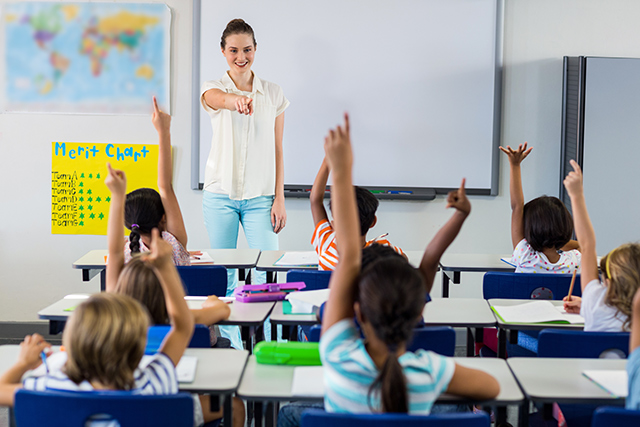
(324, 236)
(105, 338)
(146, 209)
(136, 280)
(633, 362)
(541, 230)
(605, 305)
(377, 374)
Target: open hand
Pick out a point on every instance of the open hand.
(161, 251)
(516, 156)
(458, 199)
(244, 105)
(337, 147)
(573, 181)
(161, 120)
(116, 181)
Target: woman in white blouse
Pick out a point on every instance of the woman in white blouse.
(244, 177)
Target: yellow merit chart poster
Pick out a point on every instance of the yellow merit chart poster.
(79, 197)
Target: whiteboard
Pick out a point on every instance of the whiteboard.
(420, 79)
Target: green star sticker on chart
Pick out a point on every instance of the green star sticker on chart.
(92, 216)
(90, 207)
(81, 223)
(108, 199)
(101, 215)
(81, 215)
(98, 199)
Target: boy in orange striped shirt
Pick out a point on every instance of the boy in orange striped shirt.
(324, 238)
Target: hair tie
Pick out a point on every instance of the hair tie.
(135, 226)
(607, 268)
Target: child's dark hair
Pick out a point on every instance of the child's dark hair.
(367, 207)
(547, 223)
(391, 297)
(237, 26)
(375, 252)
(143, 211)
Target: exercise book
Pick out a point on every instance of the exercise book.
(536, 312)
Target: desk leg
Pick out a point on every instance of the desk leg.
(470, 343)
(270, 414)
(513, 336)
(501, 415)
(445, 285)
(523, 414)
(103, 280)
(274, 331)
(227, 416)
(502, 343)
(242, 275)
(270, 276)
(547, 411)
(257, 413)
(56, 326)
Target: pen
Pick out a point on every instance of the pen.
(43, 356)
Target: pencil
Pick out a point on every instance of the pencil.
(573, 280)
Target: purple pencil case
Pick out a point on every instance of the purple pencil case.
(266, 292)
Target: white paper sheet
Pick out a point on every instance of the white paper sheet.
(535, 312)
(614, 382)
(186, 369)
(305, 301)
(308, 381)
(298, 259)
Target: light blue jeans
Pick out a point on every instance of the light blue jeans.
(222, 217)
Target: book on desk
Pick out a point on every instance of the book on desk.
(536, 312)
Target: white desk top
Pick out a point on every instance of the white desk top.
(242, 314)
(560, 380)
(273, 382)
(528, 326)
(268, 258)
(458, 312)
(474, 262)
(218, 370)
(230, 258)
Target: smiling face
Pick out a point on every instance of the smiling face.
(239, 52)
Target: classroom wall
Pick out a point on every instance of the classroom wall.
(35, 266)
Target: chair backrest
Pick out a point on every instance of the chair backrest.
(498, 284)
(204, 280)
(607, 416)
(200, 339)
(73, 408)
(580, 344)
(441, 339)
(313, 279)
(317, 418)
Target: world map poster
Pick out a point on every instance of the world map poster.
(85, 58)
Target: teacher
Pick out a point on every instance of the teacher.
(244, 176)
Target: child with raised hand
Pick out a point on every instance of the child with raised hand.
(105, 338)
(146, 209)
(377, 374)
(541, 230)
(324, 236)
(605, 305)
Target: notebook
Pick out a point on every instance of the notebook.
(203, 258)
(186, 369)
(308, 381)
(307, 302)
(536, 312)
(298, 259)
(615, 383)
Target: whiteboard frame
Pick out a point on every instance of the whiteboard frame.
(397, 193)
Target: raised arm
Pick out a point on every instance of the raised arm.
(316, 197)
(515, 190)
(339, 156)
(116, 181)
(473, 384)
(584, 229)
(180, 317)
(278, 211)
(175, 223)
(634, 340)
(213, 311)
(219, 100)
(431, 259)
(29, 358)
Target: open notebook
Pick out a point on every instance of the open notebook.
(298, 259)
(536, 312)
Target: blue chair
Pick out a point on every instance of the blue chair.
(317, 418)
(441, 340)
(498, 284)
(200, 339)
(73, 409)
(607, 416)
(204, 280)
(580, 344)
(313, 279)
(314, 333)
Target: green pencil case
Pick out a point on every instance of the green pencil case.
(288, 353)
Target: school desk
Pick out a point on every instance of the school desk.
(267, 260)
(513, 328)
(248, 316)
(93, 262)
(548, 380)
(218, 372)
(272, 384)
(453, 264)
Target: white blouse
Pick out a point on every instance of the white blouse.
(242, 160)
